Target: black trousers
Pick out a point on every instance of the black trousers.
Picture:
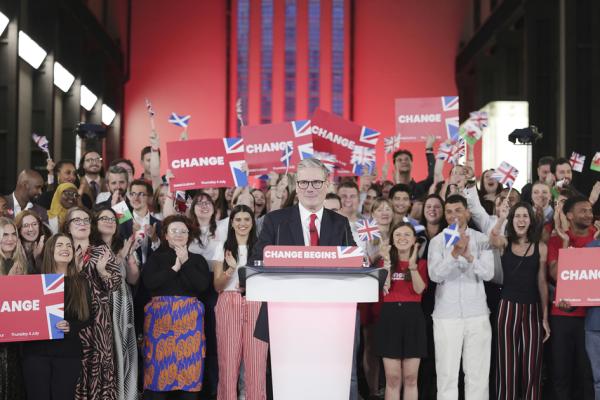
(571, 369)
(51, 378)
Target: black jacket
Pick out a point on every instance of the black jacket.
(284, 228)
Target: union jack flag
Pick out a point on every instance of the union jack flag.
(450, 106)
(41, 142)
(369, 136)
(349, 251)
(301, 127)
(577, 160)
(234, 145)
(451, 235)
(149, 108)
(391, 143)
(52, 284)
(362, 157)
(480, 118)
(287, 155)
(330, 160)
(306, 150)
(367, 229)
(451, 152)
(180, 120)
(506, 174)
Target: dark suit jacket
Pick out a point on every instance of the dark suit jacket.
(141, 295)
(283, 227)
(41, 211)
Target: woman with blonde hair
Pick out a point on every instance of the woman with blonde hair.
(12, 262)
(32, 234)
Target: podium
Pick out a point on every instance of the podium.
(312, 317)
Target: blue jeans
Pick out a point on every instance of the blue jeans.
(592, 346)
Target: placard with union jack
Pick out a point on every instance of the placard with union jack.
(204, 163)
(31, 306)
(419, 117)
(265, 144)
(335, 135)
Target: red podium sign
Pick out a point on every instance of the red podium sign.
(578, 276)
(30, 307)
(313, 256)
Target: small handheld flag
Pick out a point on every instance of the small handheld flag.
(122, 211)
(330, 160)
(479, 118)
(506, 174)
(595, 166)
(286, 156)
(415, 224)
(391, 144)
(180, 120)
(367, 229)
(149, 108)
(41, 142)
(577, 161)
(451, 152)
(470, 132)
(451, 235)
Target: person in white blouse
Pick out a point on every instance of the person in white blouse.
(461, 325)
(236, 317)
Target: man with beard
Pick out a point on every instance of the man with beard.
(117, 180)
(29, 188)
(92, 181)
(571, 368)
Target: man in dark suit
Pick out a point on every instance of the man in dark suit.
(306, 224)
(29, 188)
(117, 181)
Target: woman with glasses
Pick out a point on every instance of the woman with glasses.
(174, 344)
(98, 266)
(65, 197)
(31, 233)
(12, 262)
(51, 368)
(104, 232)
(202, 212)
(236, 317)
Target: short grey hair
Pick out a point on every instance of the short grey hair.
(313, 163)
(115, 169)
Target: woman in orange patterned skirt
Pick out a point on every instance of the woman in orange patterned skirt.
(174, 341)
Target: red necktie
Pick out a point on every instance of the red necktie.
(312, 229)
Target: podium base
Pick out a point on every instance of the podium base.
(311, 350)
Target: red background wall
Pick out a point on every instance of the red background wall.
(401, 48)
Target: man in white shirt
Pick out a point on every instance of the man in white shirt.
(461, 326)
(29, 187)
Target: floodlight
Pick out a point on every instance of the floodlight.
(88, 99)
(108, 115)
(30, 51)
(63, 79)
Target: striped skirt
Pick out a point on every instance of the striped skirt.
(174, 344)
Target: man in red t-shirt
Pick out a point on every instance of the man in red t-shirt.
(569, 357)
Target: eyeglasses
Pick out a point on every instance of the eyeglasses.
(175, 231)
(204, 204)
(71, 195)
(80, 221)
(31, 225)
(138, 194)
(93, 160)
(110, 220)
(317, 184)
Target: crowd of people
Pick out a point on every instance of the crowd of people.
(153, 307)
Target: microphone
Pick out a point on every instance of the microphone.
(277, 237)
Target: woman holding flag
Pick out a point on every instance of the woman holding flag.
(400, 332)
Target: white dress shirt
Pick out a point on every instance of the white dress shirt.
(17, 207)
(305, 220)
(460, 292)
